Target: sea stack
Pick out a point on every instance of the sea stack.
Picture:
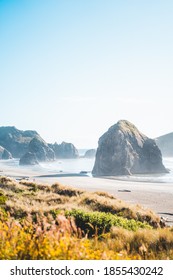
(38, 151)
(124, 150)
(41, 149)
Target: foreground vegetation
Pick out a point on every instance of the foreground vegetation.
(59, 222)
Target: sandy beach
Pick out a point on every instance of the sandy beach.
(155, 196)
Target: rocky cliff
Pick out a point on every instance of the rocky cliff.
(124, 150)
(30, 147)
(165, 144)
(16, 141)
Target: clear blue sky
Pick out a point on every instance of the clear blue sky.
(71, 68)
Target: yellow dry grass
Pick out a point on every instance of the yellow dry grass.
(30, 230)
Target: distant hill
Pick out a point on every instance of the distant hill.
(165, 144)
(16, 141)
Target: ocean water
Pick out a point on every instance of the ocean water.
(85, 164)
(161, 178)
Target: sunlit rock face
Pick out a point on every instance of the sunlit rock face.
(124, 150)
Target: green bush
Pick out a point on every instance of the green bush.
(101, 222)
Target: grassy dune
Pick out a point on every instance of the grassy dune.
(40, 221)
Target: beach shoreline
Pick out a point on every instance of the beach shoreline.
(156, 196)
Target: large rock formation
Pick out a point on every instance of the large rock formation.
(123, 150)
(41, 149)
(38, 151)
(16, 141)
(64, 150)
(4, 154)
(165, 144)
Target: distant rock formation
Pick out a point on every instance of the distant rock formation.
(90, 153)
(123, 150)
(41, 149)
(4, 154)
(165, 144)
(64, 150)
(28, 159)
(38, 151)
(21, 144)
(16, 141)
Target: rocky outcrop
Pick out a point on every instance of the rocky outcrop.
(124, 150)
(64, 150)
(41, 149)
(90, 153)
(165, 144)
(28, 159)
(38, 151)
(4, 154)
(16, 141)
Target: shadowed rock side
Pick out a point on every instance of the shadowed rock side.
(4, 154)
(124, 150)
(165, 144)
(28, 159)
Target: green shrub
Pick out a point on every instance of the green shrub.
(101, 222)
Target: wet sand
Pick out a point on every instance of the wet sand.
(155, 196)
